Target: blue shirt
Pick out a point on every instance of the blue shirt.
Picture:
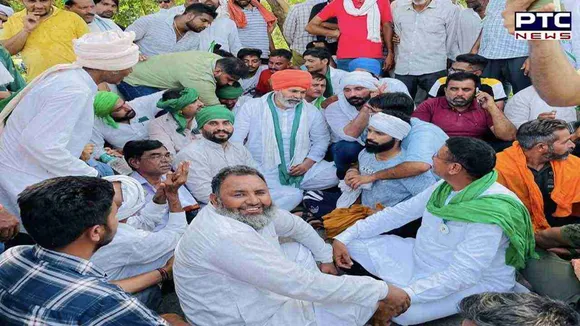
(424, 140)
(496, 42)
(45, 287)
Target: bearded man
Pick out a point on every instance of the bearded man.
(230, 268)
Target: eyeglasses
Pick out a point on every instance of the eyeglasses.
(158, 157)
(163, 1)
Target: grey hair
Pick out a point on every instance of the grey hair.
(237, 170)
(538, 131)
(521, 309)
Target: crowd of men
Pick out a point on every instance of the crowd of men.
(403, 161)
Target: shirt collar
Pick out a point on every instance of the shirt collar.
(67, 262)
(409, 5)
(211, 144)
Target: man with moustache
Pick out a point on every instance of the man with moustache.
(288, 138)
(251, 58)
(43, 34)
(106, 8)
(348, 118)
(213, 152)
(315, 94)
(465, 112)
(230, 268)
(86, 9)
(164, 33)
(278, 60)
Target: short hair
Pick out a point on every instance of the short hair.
(201, 8)
(523, 309)
(233, 67)
(136, 148)
(69, 3)
(320, 53)
(317, 76)
(281, 53)
(311, 45)
(398, 114)
(474, 155)
(224, 53)
(397, 101)
(55, 212)
(463, 76)
(538, 131)
(249, 52)
(115, 1)
(171, 94)
(474, 60)
(236, 170)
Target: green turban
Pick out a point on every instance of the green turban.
(176, 105)
(230, 92)
(103, 105)
(213, 112)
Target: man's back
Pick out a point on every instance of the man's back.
(44, 287)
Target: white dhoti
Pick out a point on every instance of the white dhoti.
(327, 314)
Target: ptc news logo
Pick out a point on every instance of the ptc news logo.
(543, 25)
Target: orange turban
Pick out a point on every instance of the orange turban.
(291, 78)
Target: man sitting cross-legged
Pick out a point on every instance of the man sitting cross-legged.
(230, 268)
(473, 233)
(288, 138)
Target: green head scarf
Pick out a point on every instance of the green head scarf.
(213, 112)
(103, 105)
(230, 92)
(176, 105)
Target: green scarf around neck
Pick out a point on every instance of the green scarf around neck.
(329, 90)
(318, 102)
(285, 178)
(499, 209)
(176, 105)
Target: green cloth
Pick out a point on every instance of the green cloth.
(189, 69)
(17, 85)
(285, 178)
(329, 91)
(175, 106)
(103, 105)
(501, 210)
(318, 102)
(230, 92)
(213, 112)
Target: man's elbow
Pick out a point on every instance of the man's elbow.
(509, 135)
(309, 28)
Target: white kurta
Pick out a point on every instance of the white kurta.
(164, 129)
(133, 251)
(45, 135)
(137, 129)
(222, 31)
(526, 105)
(206, 160)
(436, 270)
(394, 85)
(322, 174)
(226, 273)
(335, 77)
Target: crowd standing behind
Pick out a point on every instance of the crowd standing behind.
(404, 161)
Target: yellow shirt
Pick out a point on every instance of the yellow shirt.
(50, 43)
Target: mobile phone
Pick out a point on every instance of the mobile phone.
(540, 3)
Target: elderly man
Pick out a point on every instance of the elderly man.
(349, 117)
(213, 152)
(230, 268)
(43, 34)
(201, 71)
(288, 137)
(51, 120)
(474, 233)
(168, 33)
(118, 121)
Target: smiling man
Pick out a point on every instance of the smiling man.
(230, 268)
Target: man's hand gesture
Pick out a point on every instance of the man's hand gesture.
(341, 256)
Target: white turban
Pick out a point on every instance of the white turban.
(390, 125)
(110, 50)
(133, 195)
(359, 78)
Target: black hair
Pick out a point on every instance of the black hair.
(317, 75)
(233, 67)
(223, 53)
(462, 76)
(311, 45)
(136, 148)
(236, 170)
(201, 8)
(249, 52)
(281, 53)
(397, 101)
(474, 155)
(320, 53)
(115, 1)
(55, 212)
(475, 60)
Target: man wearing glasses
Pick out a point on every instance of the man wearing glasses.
(165, 4)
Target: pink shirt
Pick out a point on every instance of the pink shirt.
(353, 42)
(475, 122)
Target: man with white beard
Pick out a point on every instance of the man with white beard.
(230, 268)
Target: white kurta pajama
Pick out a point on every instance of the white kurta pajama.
(436, 269)
(227, 273)
(250, 125)
(46, 133)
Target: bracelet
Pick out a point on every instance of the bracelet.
(164, 274)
